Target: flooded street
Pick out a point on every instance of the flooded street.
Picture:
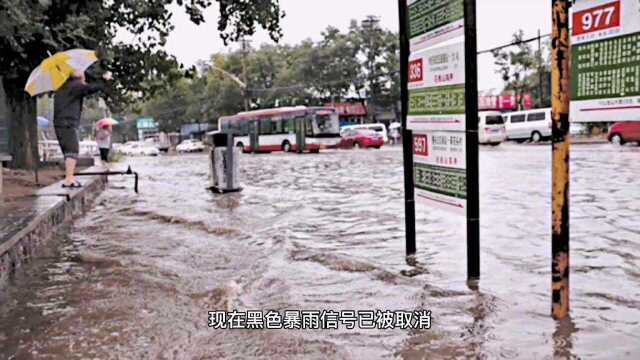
(136, 277)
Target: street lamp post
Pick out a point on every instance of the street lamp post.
(242, 84)
(370, 24)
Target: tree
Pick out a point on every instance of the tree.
(29, 29)
(380, 50)
(524, 69)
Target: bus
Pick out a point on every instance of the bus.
(286, 129)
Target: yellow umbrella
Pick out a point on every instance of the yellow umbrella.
(54, 71)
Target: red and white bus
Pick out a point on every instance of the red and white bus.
(286, 129)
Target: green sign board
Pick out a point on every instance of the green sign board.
(427, 15)
(440, 100)
(605, 61)
(441, 180)
(146, 123)
(607, 68)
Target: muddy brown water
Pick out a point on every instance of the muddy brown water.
(135, 278)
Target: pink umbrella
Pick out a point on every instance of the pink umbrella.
(106, 122)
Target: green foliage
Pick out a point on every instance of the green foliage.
(341, 65)
(31, 28)
(525, 71)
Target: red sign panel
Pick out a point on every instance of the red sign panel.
(415, 71)
(349, 109)
(420, 146)
(597, 18)
(504, 102)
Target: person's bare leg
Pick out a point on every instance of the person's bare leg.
(70, 169)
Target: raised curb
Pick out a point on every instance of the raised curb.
(18, 247)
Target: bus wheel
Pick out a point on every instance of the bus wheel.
(286, 146)
(356, 145)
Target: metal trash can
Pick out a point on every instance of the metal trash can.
(224, 174)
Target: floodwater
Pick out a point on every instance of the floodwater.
(136, 277)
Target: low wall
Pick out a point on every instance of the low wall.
(26, 224)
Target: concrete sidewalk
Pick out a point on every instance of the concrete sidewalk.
(27, 222)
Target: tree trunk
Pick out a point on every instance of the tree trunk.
(23, 131)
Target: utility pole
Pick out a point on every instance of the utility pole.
(407, 135)
(472, 157)
(540, 75)
(561, 143)
(246, 95)
(370, 25)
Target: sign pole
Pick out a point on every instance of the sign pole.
(471, 106)
(407, 135)
(561, 142)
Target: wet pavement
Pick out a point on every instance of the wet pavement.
(135, 278)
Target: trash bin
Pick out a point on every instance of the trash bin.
(223, 164)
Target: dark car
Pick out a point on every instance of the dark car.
(361, 138)
(624, 132)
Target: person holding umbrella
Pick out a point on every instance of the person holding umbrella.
(67, 113)
(64, 74)
(103, 137)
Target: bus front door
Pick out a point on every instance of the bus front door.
(301, 126)
(254, 136)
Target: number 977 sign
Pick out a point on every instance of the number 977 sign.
(598, 18)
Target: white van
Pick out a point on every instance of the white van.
(379, 128)
(534, 125)
(491, 128)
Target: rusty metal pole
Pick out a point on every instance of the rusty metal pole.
(561, 142)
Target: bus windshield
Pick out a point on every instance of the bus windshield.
(326, 124)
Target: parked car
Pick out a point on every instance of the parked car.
(139, 149)
(624, 132)
(491, 128)
(49, 150)
(361, 138)
(577, 129)
(534, 125)
(89, 148)
(190, 145)
(379, 128)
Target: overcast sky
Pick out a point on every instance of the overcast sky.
(497, 21)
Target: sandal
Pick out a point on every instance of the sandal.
(75, 185)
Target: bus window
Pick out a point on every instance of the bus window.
(308, 126)
(244, 128)
(289, 126)
(277, 126)
(265, 126)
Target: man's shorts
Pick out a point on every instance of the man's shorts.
(69, 141)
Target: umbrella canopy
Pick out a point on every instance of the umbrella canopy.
(43, 122)
(106, 122)
(54, 71)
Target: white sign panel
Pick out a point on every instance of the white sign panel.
(436, 89)
(441, 66)
(605, 61)
(440, 169)
(594, 20)
(432, 22)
